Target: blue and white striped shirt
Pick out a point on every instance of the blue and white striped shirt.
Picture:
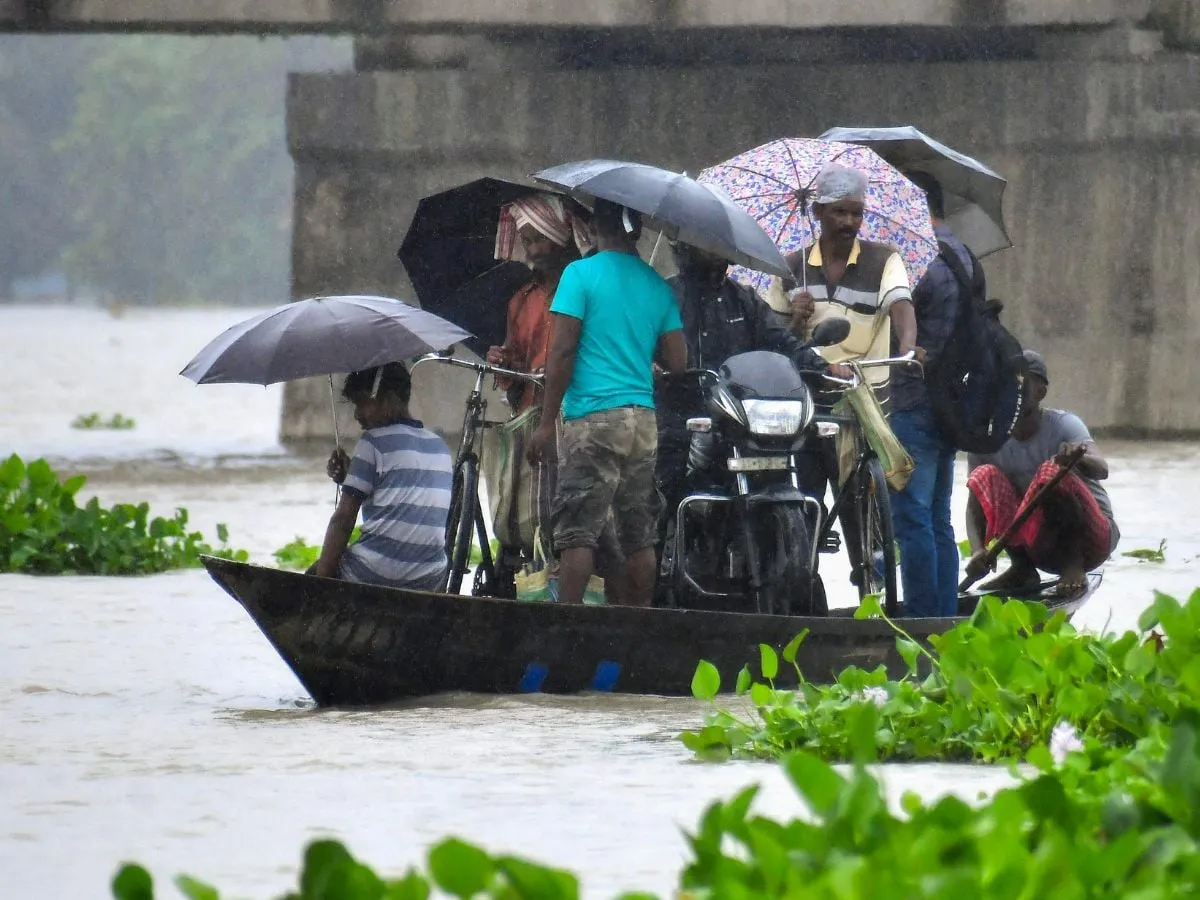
(403, 473)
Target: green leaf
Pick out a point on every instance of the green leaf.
(460, 868)
(196, 890)
(533, 880)
(321, 860)
(73, 484)
(816, 781)
(1140, 661)
(222, 533)
(706, 681)
(862, 720)
(793, 647)
(411, 887)
(132, 882)
(761, 694)
(769, 661)
(744, 679)
(909, 651)
(869, 607)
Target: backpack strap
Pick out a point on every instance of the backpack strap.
(975, 284)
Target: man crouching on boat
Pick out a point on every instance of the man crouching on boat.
(1071, 531)
(400, 478)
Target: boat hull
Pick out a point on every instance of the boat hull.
(354, 644)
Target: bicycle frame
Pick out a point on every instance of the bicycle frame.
(470, 523)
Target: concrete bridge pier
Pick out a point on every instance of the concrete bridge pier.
(1100, 140)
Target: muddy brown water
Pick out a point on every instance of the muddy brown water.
(149, 719)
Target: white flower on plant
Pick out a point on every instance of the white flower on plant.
(873, 694)
(1064, 739)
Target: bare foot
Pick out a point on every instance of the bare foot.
(1071, 582)
(1016, 579)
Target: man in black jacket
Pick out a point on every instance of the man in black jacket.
(721, 318)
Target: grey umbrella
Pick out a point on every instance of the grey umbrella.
(973, 191)
(321, 336)
(680, 207)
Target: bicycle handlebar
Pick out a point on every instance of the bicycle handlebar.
(908, 359)
(481, 367)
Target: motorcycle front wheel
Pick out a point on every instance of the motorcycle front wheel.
(789, 585)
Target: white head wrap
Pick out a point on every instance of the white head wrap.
(839, 183)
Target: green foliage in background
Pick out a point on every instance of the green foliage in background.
(96, 422)
(151, 168)
(298, 554)
(43, 530)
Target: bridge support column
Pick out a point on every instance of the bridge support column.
(1103, 174)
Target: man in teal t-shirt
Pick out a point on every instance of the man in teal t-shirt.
(612, 315)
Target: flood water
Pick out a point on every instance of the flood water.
(149, 719)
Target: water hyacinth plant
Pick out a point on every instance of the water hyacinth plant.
(1103, 825)
(44, 531)
(1000, 685)
(95, 422)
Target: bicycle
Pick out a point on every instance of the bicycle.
(466, 520)
(866, 491)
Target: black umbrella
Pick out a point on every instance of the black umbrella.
(973, 191)
(680, 207)
(449, 251)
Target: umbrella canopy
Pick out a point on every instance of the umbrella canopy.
(448, 252)
(774, 183)
(973, 192)
(680, 207)
(320, 336)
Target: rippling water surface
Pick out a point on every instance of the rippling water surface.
(149, 719)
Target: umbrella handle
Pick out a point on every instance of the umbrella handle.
(337, 488)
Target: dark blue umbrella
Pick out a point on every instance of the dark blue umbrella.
(682, 208)
(973, 192)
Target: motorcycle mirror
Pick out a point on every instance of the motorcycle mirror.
(830, 332)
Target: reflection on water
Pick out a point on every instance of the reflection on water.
(148, 718)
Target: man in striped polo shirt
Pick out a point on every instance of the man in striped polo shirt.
(840, 276)
(400, 478)
(865, 282)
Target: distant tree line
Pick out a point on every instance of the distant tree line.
(151, 169)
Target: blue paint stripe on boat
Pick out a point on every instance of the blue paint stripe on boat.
(606, 675)
(533, 679)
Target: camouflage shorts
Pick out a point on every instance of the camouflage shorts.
(606, 462)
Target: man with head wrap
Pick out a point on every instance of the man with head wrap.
(547, 233)
(841, 276)
(542, 232)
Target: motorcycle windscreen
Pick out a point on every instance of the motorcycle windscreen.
(762, 373)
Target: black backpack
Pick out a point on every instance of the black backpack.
(977, 383)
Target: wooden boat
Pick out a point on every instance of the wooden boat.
(353, 644)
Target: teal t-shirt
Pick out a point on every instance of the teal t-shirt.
(624, 307)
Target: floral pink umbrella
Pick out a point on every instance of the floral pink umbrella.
(774, 183)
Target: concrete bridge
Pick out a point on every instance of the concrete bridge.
(1091, 108)
(382, 16)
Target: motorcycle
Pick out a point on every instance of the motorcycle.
(744, 536)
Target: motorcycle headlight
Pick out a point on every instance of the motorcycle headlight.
(777, 418)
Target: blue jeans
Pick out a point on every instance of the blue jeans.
(921, 517)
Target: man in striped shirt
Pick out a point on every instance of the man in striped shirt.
(400, 478)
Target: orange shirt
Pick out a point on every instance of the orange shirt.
(528, 337)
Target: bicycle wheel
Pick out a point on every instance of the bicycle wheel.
(464, 505)
(877, 537)
(484, 583)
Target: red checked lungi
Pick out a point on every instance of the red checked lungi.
(1000, 503)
